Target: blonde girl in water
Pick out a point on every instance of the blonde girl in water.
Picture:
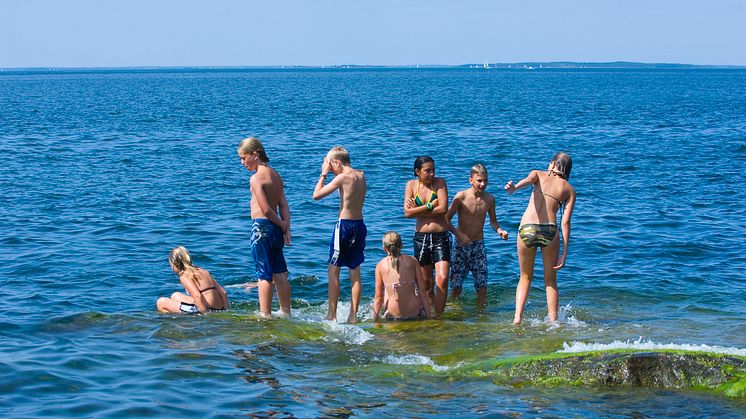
(426, 200)
(400, 288)
(205, 294)
(538, 229)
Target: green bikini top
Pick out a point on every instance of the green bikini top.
(418, 201)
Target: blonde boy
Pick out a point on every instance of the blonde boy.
(348, 241)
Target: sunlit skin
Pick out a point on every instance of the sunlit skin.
(352, 188)
(472, 206)
(542, 210)
(430, 222)
(267, 200)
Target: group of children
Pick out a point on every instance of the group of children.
(406, 287)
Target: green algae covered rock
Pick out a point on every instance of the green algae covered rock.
(725, 374)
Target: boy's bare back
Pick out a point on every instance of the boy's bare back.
(352, 191)
(267, 186)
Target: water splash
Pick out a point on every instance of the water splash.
(647, 344)
(338, 332)
(564, 318)
(412, 359)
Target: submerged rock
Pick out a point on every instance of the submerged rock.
(671, 370)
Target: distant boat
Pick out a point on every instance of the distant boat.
(486, 65)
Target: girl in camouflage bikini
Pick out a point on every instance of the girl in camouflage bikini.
(538, 229)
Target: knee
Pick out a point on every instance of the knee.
(160, 303)
(174, 296)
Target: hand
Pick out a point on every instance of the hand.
(409, 203)
(503, 234)
(462, 238)
(325, 166)
(287, 238)
(510, 187)
(560, 263)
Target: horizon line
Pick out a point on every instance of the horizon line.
(555, 64)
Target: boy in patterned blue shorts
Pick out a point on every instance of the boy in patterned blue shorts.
(472, 205)
(348, 240)
(270, 230)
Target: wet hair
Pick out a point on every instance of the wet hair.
(250, 145)
(478, 169)
(562, 165)
(419, 161)
(339, 153)
(392, 243)
(182, 261)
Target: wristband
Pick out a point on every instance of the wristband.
(429, 206)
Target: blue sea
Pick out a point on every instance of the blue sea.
(104, 171)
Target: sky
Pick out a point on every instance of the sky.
(132, 33)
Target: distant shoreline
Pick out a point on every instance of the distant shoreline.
(526, 65)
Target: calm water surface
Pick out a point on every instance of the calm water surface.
(104, 171)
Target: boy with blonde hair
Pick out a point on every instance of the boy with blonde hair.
(270, 230)
(348, 241)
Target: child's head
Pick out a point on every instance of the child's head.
(424, 168)
(478, 178)
(392, 245)
(561, 164)
(338, 154)
(246, 149)
(180, 259)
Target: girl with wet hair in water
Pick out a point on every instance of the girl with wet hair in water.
(400, 288)
(204, 292)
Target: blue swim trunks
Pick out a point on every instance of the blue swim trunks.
(267, 242)
(471, 257)
(348, 244)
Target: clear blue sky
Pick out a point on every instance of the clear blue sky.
(102, 33)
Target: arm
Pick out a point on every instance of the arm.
(441, 204)
(494, 223)
(378, 297)
(191, 288)
(320, 190)
(424, 301)
(285, 214)
(566, 230)
(462, 238)
(531, 179)
(410, 210)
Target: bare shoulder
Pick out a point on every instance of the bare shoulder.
(488, 197)
(439, 182)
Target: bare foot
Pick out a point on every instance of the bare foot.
(265, 315)
(283, 314)
(352, 318)
(330, 317)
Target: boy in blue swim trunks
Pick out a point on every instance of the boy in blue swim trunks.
(270, 232)
(472, 206)
(348, 240)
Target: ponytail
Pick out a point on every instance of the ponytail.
(392, 243)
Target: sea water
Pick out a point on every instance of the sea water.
(103, 172)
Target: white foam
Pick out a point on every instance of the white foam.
(564, 317)
(338, 332)
(412, 359)
(574, 347)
